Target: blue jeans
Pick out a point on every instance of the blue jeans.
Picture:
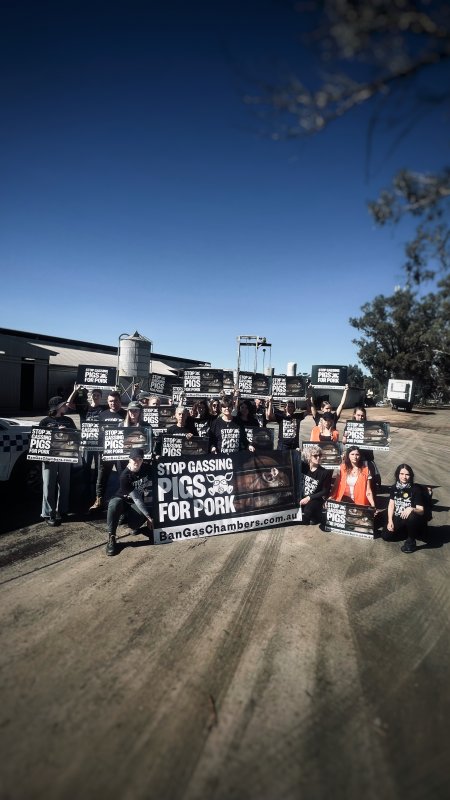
(56, 488)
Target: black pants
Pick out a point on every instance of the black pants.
(118, 506)
(312, 511)
(411, 528)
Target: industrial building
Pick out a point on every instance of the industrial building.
(34, 366)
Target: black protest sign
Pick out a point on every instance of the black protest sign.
(331, 453)
(91, 435)
(223, 494)
(177, 395)
(57, 444)
(286, 387)
(228, 381)
(160, 417)
(163, 384)
(374, 435)
(96, 377)
(182, 445)
(254, 384)
(349, 519)
(202, 382)
(326, 376)
(117, 442)
(260, 438)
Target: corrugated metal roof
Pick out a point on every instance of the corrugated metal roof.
(69, 357)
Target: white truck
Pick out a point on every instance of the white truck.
(400, 393)
(14, 439)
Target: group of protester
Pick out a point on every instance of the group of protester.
(227, 423)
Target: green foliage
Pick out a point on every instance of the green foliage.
(407, 337)
(355, 376)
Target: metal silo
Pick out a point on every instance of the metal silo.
(134, 356)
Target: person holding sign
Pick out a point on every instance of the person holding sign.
(56, 475)
(325, 408)
(353, 484)
(134, 486)
(316, 486)
(288, 424)
(405, 512)
(114, 415)
(179, 429)
(325, 430)
(227, 435)
(90, 457)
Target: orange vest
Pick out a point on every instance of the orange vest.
(315, 435)
(360, 486)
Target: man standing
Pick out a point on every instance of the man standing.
(56, 475)
(288, 424)
(111, 417)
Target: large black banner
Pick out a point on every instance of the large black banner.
(326, 376)
(223, 494)
(349, 519)
(286, 387)
(92, 377)
(373, 435)
(56, 444)
(254, 384)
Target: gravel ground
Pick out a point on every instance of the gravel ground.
(289, 663)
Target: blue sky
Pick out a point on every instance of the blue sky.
(138, 193)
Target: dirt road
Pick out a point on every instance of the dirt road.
(286, 664)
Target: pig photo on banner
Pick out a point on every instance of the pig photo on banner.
(57, 444)
(223, 494)
(349, 519)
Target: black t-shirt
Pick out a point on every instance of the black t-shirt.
(52, 423)
(405, 497)
(109, 417)
(316, 484)
(289, 428)
(93, 413)
(202, 427)
(227, 436)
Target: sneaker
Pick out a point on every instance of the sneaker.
(409, 546)
(52, 522)
(111, 546)
(97, 505)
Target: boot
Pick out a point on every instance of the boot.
(111, 547)
(97, 505)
